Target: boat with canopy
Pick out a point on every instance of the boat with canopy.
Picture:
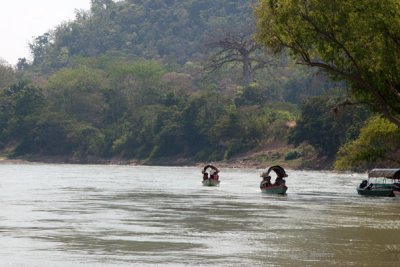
(381, 182)
(210, 175)
(279, 186)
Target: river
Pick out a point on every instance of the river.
(102, 215)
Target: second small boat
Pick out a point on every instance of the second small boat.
(210, 175)
(382, 183)
(279, 187)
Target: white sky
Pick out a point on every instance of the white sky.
(21, 20)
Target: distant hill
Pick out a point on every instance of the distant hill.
(171, 30)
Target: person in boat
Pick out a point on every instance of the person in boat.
(369, 187)
(396, 186)
(205, 176)
(363, 184)
(279, 180)
(266, 181)
(213, 174)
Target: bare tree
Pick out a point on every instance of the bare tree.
(237, 49)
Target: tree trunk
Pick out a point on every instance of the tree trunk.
(246, 70)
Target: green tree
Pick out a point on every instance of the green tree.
(40, 46)
(354, 41)
(200, 115)
(378, 142)
(80, 93)
(56, 134)
(325, 129)
(7, 75)
(139, 82)
(20, 106)
(240, 129)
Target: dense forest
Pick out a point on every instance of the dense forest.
(180, 82)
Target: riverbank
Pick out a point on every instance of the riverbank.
(67, 160)
(277, 154)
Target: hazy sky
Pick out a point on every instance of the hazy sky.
(21, 20)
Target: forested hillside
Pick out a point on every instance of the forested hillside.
(174, 31)
(168, 81)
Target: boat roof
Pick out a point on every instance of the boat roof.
(278, 170)
(386, 173)
(210, 166)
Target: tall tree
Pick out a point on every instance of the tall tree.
(238, 48)
(39, 47)
(355, 41)
(7, 74)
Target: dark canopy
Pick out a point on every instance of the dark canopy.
(280, 172)
(386, 173)
(210, 166)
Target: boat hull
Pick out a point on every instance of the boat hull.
(275, 189)
(376, 192)
(210, 182)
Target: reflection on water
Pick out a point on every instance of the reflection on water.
(74, 215)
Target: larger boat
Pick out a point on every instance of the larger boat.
(279, 186)
(210, 175)
(381, 182)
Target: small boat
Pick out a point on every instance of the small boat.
(381, 182)
(210, 175)
(210, 182)
(279, 187)
(275, 189)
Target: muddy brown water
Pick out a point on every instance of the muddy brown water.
(95, 215)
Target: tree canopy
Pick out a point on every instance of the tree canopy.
(379, 141)
(325, 129)
(354, 41)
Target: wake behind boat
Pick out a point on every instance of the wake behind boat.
(279, 187)
(210, 175)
